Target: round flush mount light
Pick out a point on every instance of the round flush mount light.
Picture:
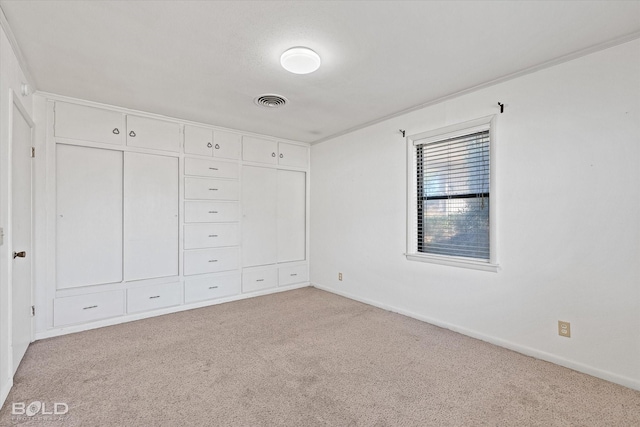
(300, 60)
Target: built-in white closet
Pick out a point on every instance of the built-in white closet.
(153, 215)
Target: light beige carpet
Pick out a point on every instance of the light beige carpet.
(304, 358)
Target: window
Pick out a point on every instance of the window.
(450, 196)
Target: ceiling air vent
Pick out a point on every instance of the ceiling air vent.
(270, 101)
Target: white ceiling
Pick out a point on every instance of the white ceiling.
(207, 60)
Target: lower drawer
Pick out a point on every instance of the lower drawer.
(210, 260)
(290, 275)
(205, 288)
(153, 297)
(87, 308)
(256, 279)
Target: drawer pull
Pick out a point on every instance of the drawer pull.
(132, 134)
(213, 235)
(281, 156)
(294, 274)
(213, 189)
(259, 280)
(213, 169)
(154, 297)
(116, 131)
(213, 260)
(273, 154)
(90, 307)
(213, 212)
(217, 146)
(213, 287)
(209, 145)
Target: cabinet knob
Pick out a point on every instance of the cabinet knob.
(217, 146)
(116, 131)
(273, 154)
(281, 155)
(209, 145)
(132, 134)
(21, 254)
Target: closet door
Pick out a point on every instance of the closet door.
(150, 216)
(291, 215)
(259, 216)
(88, 216)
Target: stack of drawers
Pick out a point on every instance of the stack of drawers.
(211, 230)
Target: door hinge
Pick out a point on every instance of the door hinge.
(33, 151)
(33, 310)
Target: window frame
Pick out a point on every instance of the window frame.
(439, 134)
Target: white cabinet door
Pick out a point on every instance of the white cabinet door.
(89, 124)
(259, 150)
(155, 134)
(198, 141)
(259, 211)
(226, 145)
(88, 216)
(293, 155)
(150, 216)
(291, 215)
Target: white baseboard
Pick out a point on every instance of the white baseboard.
(538, 354)
(5, 392)
(54, 332)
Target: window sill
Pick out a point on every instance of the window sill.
(454, 262)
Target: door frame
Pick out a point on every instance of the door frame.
(14, 100)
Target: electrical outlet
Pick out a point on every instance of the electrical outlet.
(340, 276)
(564, 329)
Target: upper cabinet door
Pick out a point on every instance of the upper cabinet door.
(89, 124)
(293, 155)
(155, 134)
(198, 141)
(259, 150)
(226, 145)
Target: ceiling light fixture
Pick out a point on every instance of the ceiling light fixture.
(300, 60)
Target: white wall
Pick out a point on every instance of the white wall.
(11, 79)
(568, 209)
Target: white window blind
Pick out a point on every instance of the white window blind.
(453, 195)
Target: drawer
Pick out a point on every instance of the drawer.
(210, 189)
(87, 308)
(210, 168)
(153, 297)
(290, 275)
(144, 132)
(197, 236)
(256, 279)
(210, 260)
(226, 145)
(211, 211)
(200, 289)
(89, 124)
(259, 150)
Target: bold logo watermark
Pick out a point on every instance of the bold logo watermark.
(39, 410)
